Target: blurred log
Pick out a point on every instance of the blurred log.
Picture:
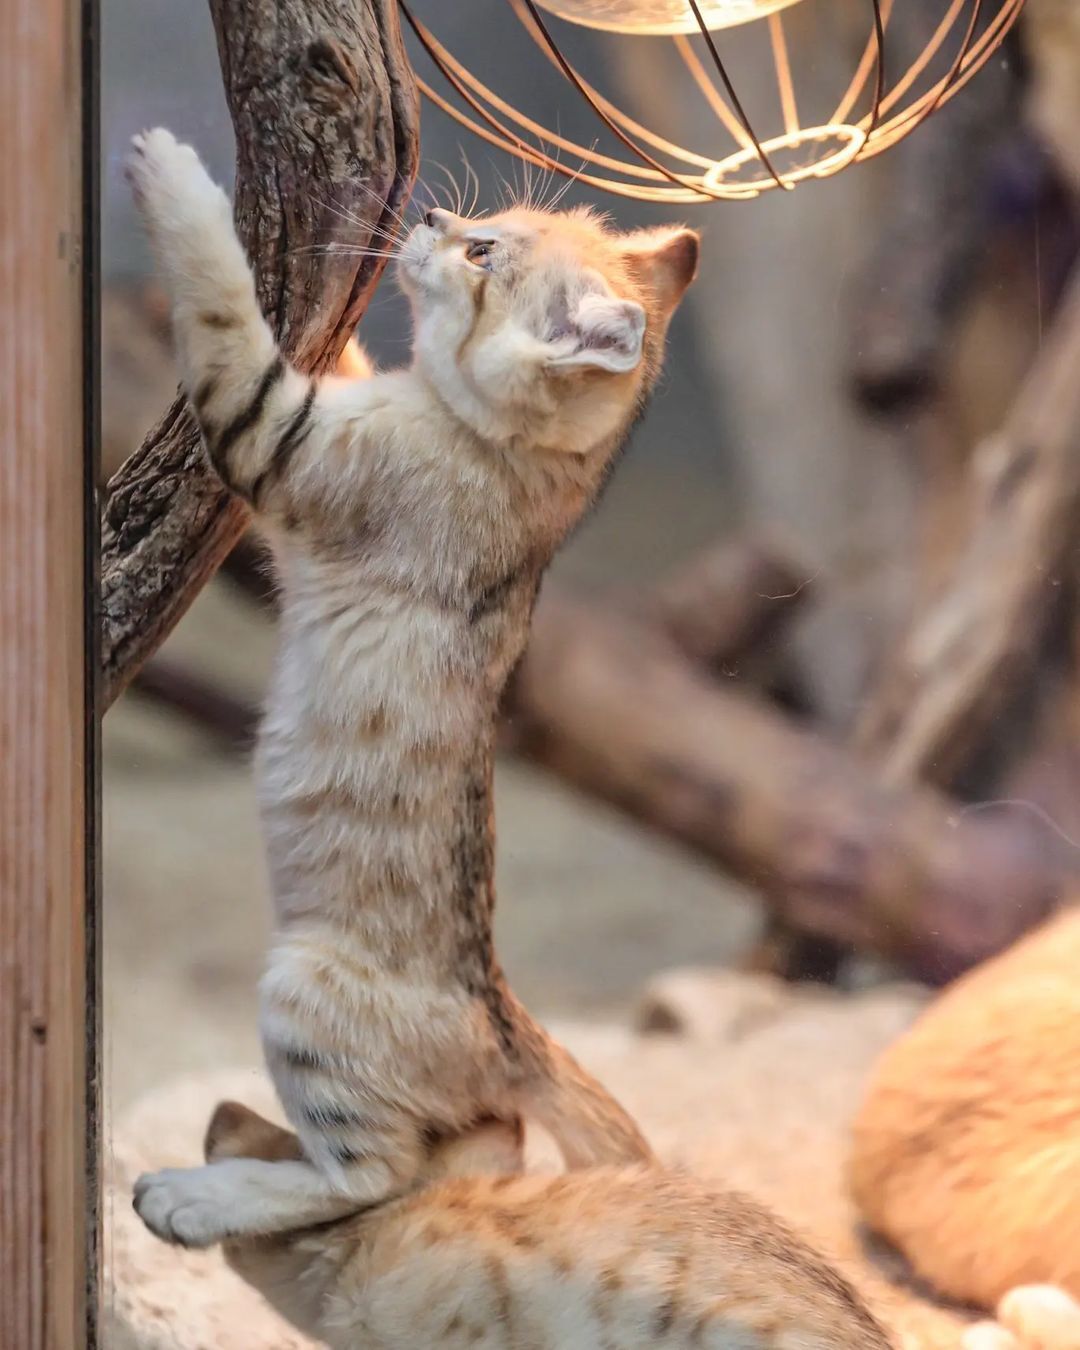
(230, 720)
(324, 106)
(729, 600)
(613, 707)
(964, 658)
(789, 954)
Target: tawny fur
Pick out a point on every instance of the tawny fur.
(600, 1259)
(411, 515)
(966, 1152)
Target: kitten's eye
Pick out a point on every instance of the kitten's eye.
(480, 252)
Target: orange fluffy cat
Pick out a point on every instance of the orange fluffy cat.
(966, 1153)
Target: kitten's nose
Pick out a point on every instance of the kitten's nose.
(440, 219)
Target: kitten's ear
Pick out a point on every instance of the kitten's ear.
(666, 260)
(235, 1131)
(600, 333)
(494, 1148)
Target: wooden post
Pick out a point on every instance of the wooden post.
(46, 726)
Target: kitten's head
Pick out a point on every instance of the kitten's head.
(544, 325)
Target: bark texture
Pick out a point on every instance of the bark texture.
(324, 106)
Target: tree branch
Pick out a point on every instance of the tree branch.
(965, 656)
(324, 106)
(610, 704)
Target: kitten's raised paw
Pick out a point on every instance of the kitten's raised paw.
(169, 183)
(185, 1206)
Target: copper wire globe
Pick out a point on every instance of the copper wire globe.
(883, 101)
(656, 18)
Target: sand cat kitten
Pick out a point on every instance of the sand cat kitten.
(411, 516)
(600, 1259)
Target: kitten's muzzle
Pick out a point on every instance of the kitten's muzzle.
(443, 221)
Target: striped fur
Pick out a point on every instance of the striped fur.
(411, 514)
(483, 1259)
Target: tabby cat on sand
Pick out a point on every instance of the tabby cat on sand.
(481, 1258)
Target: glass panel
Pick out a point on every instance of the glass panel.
(792, 744)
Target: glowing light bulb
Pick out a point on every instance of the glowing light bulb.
(659, 17)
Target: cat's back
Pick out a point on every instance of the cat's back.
(606, 1260)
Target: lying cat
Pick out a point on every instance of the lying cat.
(601, 1259)
(411, 515)
(966, 1150)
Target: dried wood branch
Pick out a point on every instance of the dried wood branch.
(612, 706)
(964, 657)
(731, 599)
(324, 106)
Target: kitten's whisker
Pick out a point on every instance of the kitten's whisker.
(437, 192)
(375, 231)
(547, 178)
(393, 212)
(471, 178)
(414, 204)
(351, 218)
(454, 191)
(571, 179)
(344, 251)
(504, 197)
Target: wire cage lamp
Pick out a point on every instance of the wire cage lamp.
(884, 100)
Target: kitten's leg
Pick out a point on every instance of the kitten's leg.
(238, 1198)
(254, 409)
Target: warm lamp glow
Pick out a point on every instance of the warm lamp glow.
(659, 18)
(883, 101)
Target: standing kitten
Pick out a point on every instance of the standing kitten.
(483, 1259)
(411, 516)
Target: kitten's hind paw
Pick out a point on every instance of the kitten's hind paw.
(184, 1206)
(1041, 1317)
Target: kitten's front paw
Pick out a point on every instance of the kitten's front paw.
(184, 1206)
(170, 186)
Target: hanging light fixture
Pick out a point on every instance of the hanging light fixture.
(878, 107)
